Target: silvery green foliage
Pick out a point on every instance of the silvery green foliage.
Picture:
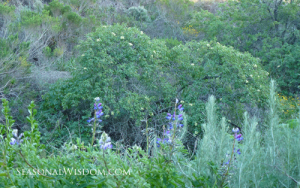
(271, 153)
(215, 143)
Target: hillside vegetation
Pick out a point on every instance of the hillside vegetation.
(153, 93)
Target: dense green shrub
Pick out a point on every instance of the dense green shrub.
(236, 79)
(124, 68)
(139, 13)
(267, 29)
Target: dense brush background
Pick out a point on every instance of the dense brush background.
(230, 63)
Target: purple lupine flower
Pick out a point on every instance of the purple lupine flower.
(235, 130)
(167, 133)
(238, 137)
(99, 114)
(105, 142)
(180, 108)
(98, 108)
(167, 140)
(238, 152)
(169, 116)
(171, 126)
(106, 146)
(90, 120)
(13, 141)
(180, 118)
(158, 142)
(172, 117)
(17, 139)
(180, 125)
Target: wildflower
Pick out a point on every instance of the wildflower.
(105, 142)
(192, 64)
(113, 33)
(164, 141)
(255, 65)
(13, 141)
(84, 68)
(180, 118)
(177, 100)
(227, 162)
(169, 116)
(246, 81)
(142, 32)
(17, 139)
(98, 40)
(158, 142)
(82, 55)
(122, 37)
(130, 44)
(180, 108)
(251, 75)
(235, 130)
(238, 137)
(180, 125)
(167, 133)
(98, 111)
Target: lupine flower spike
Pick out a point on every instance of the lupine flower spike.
(97, 115)
(105, 142)
(175, 120)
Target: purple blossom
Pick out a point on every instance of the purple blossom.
(180, 118)
(90, 120)
(167, 133)
(14, 141)
(166, 140)
(180, 125)
(180, 108)
(227, 162)
(238, 137)
(105, 142)
(169, 116)
(98, 108)
(235, 130)
(17, 139)
(172, 123)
